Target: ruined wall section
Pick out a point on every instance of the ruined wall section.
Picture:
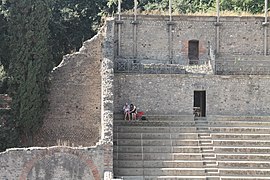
(174, 94)
(80, 114)
(75, 99)
(52, 163)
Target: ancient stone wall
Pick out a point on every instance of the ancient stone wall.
(174, 94)
(238, 35)
(80, 114)
(52, 163)
(74, 114)
(242, 35)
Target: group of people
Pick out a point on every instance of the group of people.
(130, 110)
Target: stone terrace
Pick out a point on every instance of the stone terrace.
(184, 147)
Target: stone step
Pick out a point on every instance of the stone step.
(201, 123)
(205, 142)
(243, 130)
(234, 123)
(196, 121)
(163, 149)
(157, 156)
(155, 123)
(205, 136)
(157, 164)
(156, 142)
(160, 117)
(170, 117)
(239, 118)
(241, 172)
(203, 129)
(132, 129)
(241, 150)
(243, 177)
(210, 163)
(242, 157)
(209, 156)
(206, 149)
(155, 135)
(164, 177)
(212, 177)
(159, 172)
(212, 171)
(240, 136)
(245, 164)
(246, 143)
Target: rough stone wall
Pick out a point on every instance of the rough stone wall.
(80, 114)
(173, 94)
(52, 163)
(74, 114)
(107, 102)
(241, 35)
(238, 35)
(153, 37)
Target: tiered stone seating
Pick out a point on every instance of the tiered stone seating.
(242, 146)
(181, 147)
(159, 148)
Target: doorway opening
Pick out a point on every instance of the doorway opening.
(193, 52)
(199, 107)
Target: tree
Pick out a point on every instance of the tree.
(4, 55)
(73, 22)
(30, 63)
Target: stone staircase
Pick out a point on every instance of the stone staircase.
(181, 147)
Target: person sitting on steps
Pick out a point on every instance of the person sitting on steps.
(126, 109)
(133, 111)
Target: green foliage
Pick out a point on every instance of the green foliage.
(73, 22)
(252, 6)
(4, 53)
(8, 133)
(30, 63)
(3, 80)
(193, 6)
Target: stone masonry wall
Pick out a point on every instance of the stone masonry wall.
(242, 35)
(51, 163)
(173, 94)
(238, 35)
(80, 114)
(74, 114)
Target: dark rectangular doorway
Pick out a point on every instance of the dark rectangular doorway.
(193, 52)
(199, 103)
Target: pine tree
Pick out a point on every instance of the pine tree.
(29, 64)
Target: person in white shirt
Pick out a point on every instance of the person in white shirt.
(126, 109)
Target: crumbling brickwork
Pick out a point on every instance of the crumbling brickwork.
(75, 99)
(52, 163)
(80, 114)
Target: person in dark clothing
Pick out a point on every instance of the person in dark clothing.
(133, 111)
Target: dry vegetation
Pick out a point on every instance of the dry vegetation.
(210, 13)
